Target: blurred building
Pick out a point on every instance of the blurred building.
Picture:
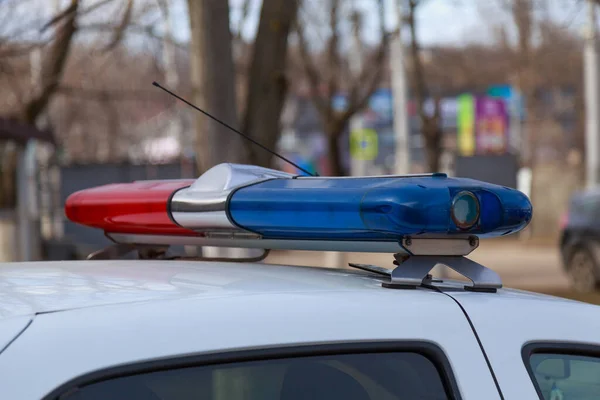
(303, 137)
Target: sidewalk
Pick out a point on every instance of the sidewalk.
(521, 264)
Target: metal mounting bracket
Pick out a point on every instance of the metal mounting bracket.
(414, 270)
(118, 250)
(153, 252)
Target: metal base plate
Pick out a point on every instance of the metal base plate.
(440, 246)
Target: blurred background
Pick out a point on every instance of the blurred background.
(504, 91)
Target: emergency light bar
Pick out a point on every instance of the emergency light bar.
(252, 207)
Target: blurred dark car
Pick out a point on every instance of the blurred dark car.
(580, 240)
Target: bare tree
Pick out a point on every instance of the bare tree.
(53, 40)
(522, 15)
(267, 81)
(214, 79)
(119, 32)
(52, 69)
(53, 64)
(336, 75)
(431, 128)
(213, 82)
(243, 20)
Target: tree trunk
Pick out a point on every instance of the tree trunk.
(9, 177)
(267, 83)
(213, 83)
(432, 134)
(213, 88)
(523, 17)
(335, 157)
(431, 130)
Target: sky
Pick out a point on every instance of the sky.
(440, 22)
(445, 22)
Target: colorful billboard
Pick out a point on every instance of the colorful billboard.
(491, 133)
(465, 120)
(483, 125)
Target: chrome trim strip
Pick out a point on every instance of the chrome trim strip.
(243, 239)
(237, 242)
(204, 220)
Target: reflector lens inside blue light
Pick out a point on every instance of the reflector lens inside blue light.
(465, 210)
(379, 208)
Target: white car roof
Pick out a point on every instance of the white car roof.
(123, 312)
(39, 288)
(44, 287)
(93, 315)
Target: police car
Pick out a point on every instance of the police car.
(174, 328)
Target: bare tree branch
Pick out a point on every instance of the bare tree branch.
(60, 16)
(522, 12)
(16, 90)
(34, 25)
(6, 16)
(147, 8)
(315, 11)
(109, 94)
(332, 51)
(120, 31)
(18, 51)
(243, 20)
(360, 88)
(370, 78)
(163, 5)
(146, 30)
(430, 125)
(53, 65)
(415, 53)
(311, 71)
(31, 26)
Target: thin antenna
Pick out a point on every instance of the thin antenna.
(233, 129)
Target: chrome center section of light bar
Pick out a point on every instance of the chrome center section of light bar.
(201, 206)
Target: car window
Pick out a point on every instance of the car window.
(565, 376)
(587, 207)
(402, 375)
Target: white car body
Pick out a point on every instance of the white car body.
(61, 322)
